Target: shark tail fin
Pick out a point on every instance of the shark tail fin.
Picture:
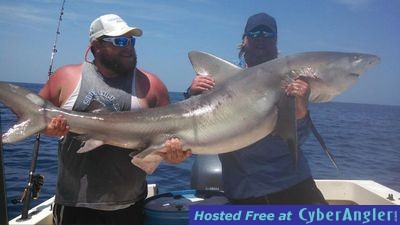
(28, 108)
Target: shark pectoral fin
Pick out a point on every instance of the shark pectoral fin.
(89, 145)
(23, 129)
(149, 163)
(286, 126)
(323, 145)
(149, 159)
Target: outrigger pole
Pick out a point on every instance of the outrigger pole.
(3, 195)
(35, 181)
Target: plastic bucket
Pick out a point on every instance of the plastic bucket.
(173, 208)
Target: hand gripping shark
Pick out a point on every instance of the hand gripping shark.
(245, 106)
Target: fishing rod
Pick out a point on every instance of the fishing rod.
(3, 195)
(54, 51)
(35, 182)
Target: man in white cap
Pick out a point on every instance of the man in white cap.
(102, 186)
(264, 172)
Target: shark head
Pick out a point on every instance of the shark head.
(358, 63)
(329, 73)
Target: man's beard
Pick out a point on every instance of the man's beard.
(117, 65)
(258, 57)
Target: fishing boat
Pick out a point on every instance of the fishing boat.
(206, 176)
(336, 192)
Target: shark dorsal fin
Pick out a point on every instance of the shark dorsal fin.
(207, 64)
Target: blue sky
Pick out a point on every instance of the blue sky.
(172, 28)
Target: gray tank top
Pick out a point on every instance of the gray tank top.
(104, 178)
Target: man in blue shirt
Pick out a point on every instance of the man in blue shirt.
(264, 172)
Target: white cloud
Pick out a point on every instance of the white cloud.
(24, 14)
(356, 5)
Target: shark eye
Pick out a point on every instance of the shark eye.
(355, 74)
(356, 59)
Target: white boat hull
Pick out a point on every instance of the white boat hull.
(357, 192)
(336, 192)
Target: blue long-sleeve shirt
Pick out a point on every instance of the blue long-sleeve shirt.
(265, 167)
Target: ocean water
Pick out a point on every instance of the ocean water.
(365, 140)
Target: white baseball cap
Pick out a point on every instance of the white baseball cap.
(111, 25)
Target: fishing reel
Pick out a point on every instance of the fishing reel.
(38, 181)
(33, 188)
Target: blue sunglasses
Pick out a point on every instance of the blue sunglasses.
(120, 41)
(261, 33)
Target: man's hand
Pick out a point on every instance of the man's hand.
(201, 83)
(58, 126)
(301, 90)
(174, 153)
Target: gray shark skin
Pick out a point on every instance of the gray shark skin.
(240, 110)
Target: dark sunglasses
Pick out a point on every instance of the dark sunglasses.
(261, 33)
(120, 41)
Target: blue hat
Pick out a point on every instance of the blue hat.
(260, 19)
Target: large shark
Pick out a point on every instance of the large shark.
(245, 106)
